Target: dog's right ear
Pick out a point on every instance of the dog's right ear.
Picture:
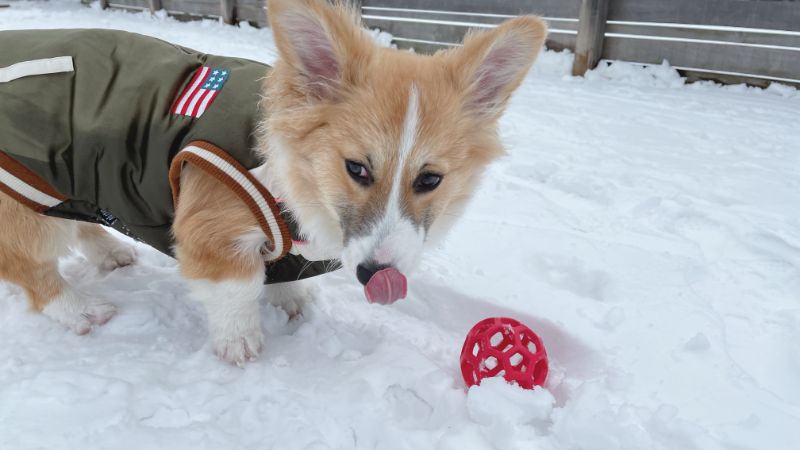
(322, 44)
(492, 64)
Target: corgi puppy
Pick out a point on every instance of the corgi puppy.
(372, 151)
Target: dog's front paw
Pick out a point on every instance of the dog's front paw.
(78, 314)
(238, 348)
(120, 256)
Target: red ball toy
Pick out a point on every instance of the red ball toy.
(503, 346)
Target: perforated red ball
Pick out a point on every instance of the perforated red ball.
(503, 346)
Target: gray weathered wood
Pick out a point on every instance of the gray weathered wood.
(676, 30)
(253, 11)
(103, 4)
(448, 35)
(439, 15)
(723, 35)
(155, 5)
(710, 57)
(422, 29)
(550, 8)
(776, 15)
(203, 8)
(227, 8)
(564, 42)
(446, 16)
(693, 75)
(591, 30)
(129, 4)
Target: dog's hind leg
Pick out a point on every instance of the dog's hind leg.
(30, 245)
(103, 249)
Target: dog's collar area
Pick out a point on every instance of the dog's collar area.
(294, 228)
(295, 263)
(284, 258)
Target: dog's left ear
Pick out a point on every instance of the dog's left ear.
(492, 64)
(323, 44)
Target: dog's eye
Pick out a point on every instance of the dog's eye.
(359, 173)
(427, 182)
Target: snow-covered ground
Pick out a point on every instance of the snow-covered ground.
(648, 230)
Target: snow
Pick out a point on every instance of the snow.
(648, 230)
(495, 401)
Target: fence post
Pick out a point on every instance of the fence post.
(155, 5)
(228, 12)
(103, 4)
(591, 30)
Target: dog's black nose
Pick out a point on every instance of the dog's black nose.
(364, 272)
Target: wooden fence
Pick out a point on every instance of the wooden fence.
(757, 41)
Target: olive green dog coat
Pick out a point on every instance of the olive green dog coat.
(95, 125)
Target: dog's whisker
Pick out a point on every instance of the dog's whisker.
(303, 269)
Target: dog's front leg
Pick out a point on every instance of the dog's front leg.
(218, 245)
(232, 307)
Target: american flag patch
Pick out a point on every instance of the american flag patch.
(201, 91)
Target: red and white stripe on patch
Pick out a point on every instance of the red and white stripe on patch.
(201, 91)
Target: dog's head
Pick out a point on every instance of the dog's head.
(376, 151)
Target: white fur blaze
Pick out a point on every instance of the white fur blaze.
(407, 141)
(395, 240)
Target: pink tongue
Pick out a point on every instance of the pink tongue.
(386, 287)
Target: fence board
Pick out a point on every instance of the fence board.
(253, 11)
(130, 4)
(550, 8)
(695, 75)
(776, 15)
(755, 37)
(206, 8)
(453, 34)
(723, 35)
(445, 16)
(710, 57)
(439, 15)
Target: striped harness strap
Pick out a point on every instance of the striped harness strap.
(26, 187)
(219, 164)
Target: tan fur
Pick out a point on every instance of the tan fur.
(208, 220)
(364, 120)
(29, 246)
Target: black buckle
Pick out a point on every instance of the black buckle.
(106, 218)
